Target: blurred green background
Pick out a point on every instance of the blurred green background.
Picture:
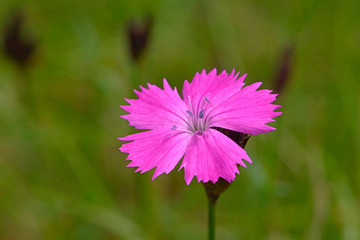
(62, 176)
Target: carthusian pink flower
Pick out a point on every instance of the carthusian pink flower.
(184, 127)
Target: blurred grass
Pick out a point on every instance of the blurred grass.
(62, 177)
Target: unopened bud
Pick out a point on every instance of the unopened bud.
(284, 68)
(138, 36)
(16, 46)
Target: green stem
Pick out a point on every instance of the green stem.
(213, 191)
(211, 222)
(144, 192)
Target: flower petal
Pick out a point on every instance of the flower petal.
(212, 155)
(155, 108)
(247, 111)
(160, 148)
(211, 86)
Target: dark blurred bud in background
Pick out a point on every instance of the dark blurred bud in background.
(16, 45)
(138, 33)
(284, 68)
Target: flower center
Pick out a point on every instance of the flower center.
(199, 132)
(197, 120)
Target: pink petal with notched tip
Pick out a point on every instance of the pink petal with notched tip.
(155, 108)
(212, 86)
(160, 148)
(212, 155)
(247, 111)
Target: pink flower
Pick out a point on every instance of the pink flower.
(184, 126)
